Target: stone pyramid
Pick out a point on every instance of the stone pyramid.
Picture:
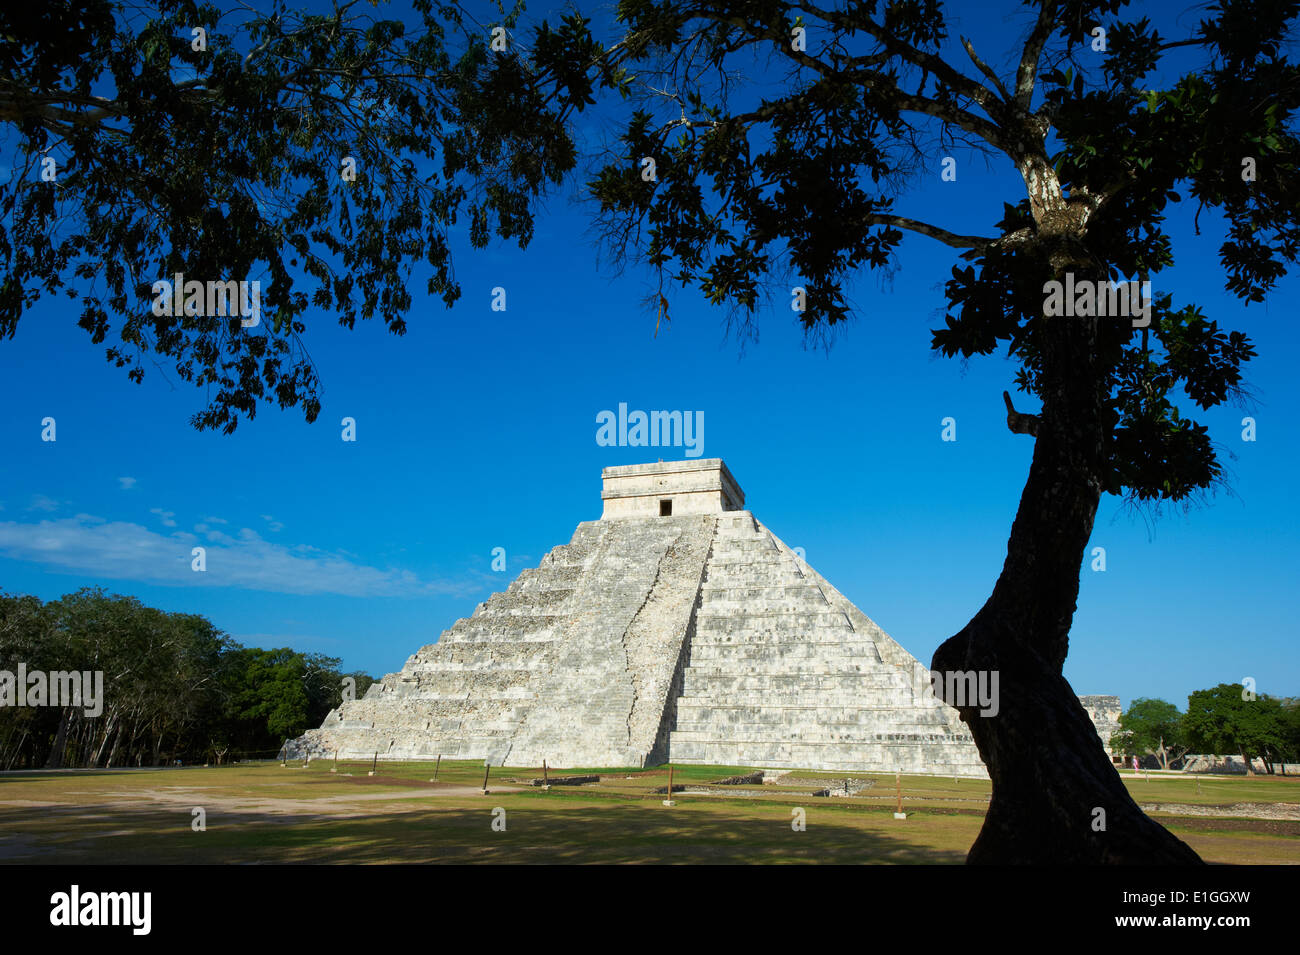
(675, 628)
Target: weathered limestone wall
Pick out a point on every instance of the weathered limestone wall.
(1233, 765)
(684, 503)
(466, 695)
(693, 487)
(1104, 711)
(785, 672)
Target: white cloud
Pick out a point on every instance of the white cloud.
(120, 550)
(42, 503)
(127, 483)
(272, 523)
(166, 516)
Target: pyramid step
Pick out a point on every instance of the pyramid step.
(739, 677)
(929, 756)
(457, 681)
(525, 605)
(486, 636)
(741, 549)
(735, 592)
(749, 719)
(490, 621)
(552, 577)
(811, 671)
(848, 737)
(767, 620)
(420, 711)
(778, 654)
(459, 702)
(477, 654)
(790, 748)
(738, 520)
(767, 560)
(891, 698)
(777, 577)
(738, 628)
(775, 638)
(774, 572)
(807, 602)
(476, 668)
(701, 681)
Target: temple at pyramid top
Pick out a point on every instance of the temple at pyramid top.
(670, 489)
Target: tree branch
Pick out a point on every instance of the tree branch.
(862, 70)
(1018, 422)
(984, 68)
(929, 62)
(1027, 73)
(933, 231)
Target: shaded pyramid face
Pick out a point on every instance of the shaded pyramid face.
(646, 639)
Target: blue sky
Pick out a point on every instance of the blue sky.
(477, 430)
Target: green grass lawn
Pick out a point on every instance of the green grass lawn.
(266, 813)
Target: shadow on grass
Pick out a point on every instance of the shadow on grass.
(537, 831)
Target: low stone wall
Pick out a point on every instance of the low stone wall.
(1235, 765)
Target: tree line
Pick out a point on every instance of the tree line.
(1226, 719)
(175, 687)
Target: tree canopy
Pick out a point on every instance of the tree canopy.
(1153, 726)
(323, 155)
(806, 184)
(1228, 719)
(213, 144)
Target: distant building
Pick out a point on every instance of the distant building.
(1104, 711)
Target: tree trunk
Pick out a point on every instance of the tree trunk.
(1250, 767)
(1056, 796)
(17, 751)
(55, 760)
(109, 729)
(117, 741)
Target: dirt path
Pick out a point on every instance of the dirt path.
(190, 796)
(1243, 810)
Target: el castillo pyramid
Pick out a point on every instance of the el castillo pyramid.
(677, 628)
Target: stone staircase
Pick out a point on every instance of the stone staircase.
(601, 701)
(571, 663)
